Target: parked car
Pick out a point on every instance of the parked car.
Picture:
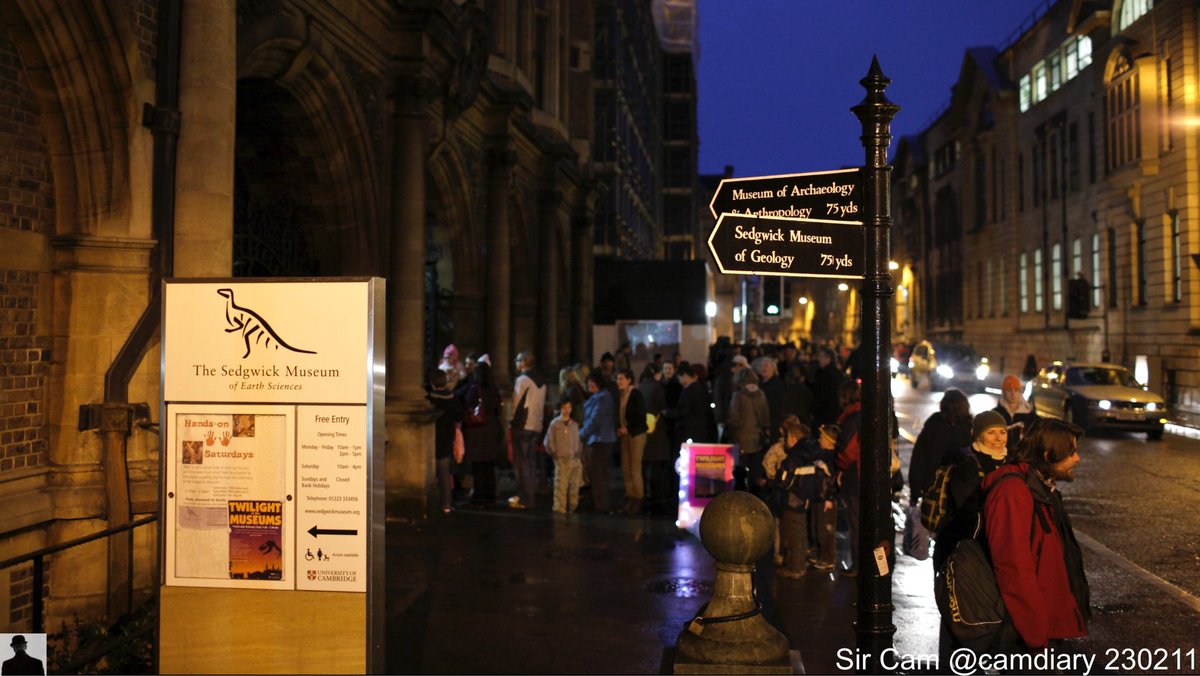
(1096, 395)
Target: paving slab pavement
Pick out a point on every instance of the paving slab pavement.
(525, 591)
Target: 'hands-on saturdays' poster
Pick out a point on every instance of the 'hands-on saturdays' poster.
(231, 496)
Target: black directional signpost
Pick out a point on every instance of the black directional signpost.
(795, 225)
(836, 224)
(824, 195)
(748, 245)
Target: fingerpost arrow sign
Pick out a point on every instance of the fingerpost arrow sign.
(826, 195)
(314, 531)
(788, 247)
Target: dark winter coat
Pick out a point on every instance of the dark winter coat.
(483, 443)
(691, 415)
(825, 404)
(807, 481)
(774, 390)
(937, 438)
(749, 419)
(966, 496)
(635, 413)
(1027, 419)
(658, 444)
(450, 413)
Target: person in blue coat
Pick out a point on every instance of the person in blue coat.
(599, 434)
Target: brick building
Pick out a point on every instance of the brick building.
(447, 146)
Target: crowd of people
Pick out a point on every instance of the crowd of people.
(792, 416)
(741, 395)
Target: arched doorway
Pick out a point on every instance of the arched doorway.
(281, 199)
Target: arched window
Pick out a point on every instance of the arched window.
(1122, 108)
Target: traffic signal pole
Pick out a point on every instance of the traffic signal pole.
(874, 627)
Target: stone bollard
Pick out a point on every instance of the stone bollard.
(730, 635)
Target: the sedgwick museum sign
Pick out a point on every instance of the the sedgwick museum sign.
(268, 433)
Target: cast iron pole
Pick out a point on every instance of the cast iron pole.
(874, 626)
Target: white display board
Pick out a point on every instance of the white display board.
(267, 484)
(273, 473)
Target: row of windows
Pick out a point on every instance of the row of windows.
(991, 287)
(1055, 70)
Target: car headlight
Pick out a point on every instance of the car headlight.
(1104, 404)
(894, 364)
(1151, 406)
(981, 372)
(945, 371)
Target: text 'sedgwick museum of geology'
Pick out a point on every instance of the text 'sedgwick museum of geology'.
(268, 424)
(803, 225)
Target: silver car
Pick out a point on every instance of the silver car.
(1098, 395)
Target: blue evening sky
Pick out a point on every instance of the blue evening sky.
(776, 78)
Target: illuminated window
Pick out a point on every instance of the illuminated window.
(1123, 137)
(1056, 276)
(1059, 67)
(1038, 291)
(1023, 275)
(1096, 300)
(1132, 10)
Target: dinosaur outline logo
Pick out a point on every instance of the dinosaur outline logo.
(251, 324)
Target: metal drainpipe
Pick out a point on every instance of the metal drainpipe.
(116, 414)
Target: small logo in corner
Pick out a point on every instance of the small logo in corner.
(252, 326)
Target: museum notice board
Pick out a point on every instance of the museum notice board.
(273, 476)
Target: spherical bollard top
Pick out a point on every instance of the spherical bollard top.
(737, 528)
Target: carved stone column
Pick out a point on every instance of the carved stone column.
(208, 109)
(411, 485)
(548, 284)
(500, 161)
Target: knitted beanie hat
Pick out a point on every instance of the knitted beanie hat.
(1010, 382)
(985, 421)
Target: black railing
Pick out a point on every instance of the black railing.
(38, 559)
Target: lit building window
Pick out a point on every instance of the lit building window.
(1124, 140)
(1056, 276)
(1132, 10)
(1038, 291)
(1058, 68)
(1023, 275)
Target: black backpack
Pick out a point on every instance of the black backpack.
(966, 592)
(937, 506)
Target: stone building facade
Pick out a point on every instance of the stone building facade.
(1069, 153)
(444, 145)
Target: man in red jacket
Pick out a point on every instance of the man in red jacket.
(1037, 561)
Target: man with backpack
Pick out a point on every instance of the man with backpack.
(1037, 561)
